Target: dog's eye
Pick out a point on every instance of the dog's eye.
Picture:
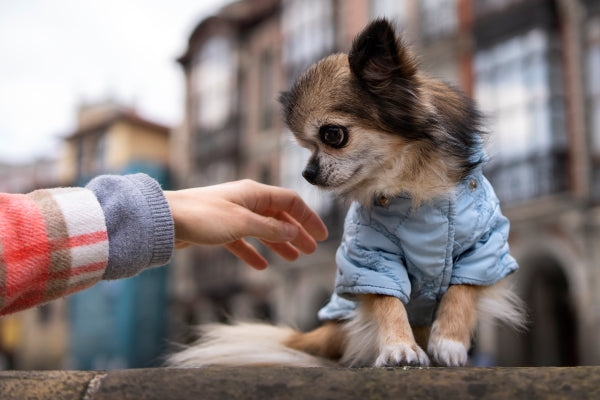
(334, 135)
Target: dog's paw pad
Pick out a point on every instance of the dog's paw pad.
(402, 354)
(447, 352)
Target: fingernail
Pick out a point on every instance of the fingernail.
(290, 230)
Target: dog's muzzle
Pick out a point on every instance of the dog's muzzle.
(310, 173)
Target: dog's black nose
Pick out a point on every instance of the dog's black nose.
(310, 173)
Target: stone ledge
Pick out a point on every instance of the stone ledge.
(310, 383)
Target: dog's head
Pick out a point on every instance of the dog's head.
(376, 126)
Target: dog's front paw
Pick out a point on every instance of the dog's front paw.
(402, 354)
(447, 352)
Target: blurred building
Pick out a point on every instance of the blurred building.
(117, 324)
(533, 66)
(36, 338)
(111, 138)
(113, 324)
(536, 74)
(25, 177)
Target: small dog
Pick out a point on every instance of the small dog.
(424, 253)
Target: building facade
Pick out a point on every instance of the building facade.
(231, 130)
(534, 68)
(116, 324)
(534, 77)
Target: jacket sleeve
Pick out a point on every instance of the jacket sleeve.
(368, 259)
(489, 259)
(54, 242)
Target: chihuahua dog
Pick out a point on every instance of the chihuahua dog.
(424, 252)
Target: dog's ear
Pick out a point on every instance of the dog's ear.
(378, 58)
(285, 99)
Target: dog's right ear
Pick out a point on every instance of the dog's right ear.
(285, 99)
(378, 58)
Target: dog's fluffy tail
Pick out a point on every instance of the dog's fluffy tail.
(243, 344)
(499, 303)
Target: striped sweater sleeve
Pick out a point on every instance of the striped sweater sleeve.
(53, 242)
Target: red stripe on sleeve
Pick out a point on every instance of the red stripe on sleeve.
(26, 251)
(80, 240)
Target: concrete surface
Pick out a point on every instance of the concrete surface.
(311, 383)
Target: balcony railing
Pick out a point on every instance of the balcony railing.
(222, 143)
(527, 178)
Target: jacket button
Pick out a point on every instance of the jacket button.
(383, 201)
(472, 185)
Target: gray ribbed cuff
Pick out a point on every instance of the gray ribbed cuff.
(138, 220)
(163, 228)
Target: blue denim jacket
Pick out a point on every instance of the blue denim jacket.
(414, 254)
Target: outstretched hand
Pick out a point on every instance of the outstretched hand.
(225, 214)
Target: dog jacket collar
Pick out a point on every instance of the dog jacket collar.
(414, 254)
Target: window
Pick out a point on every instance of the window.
(266, 89)
(213, 83)
(309, 33)
(394, 10)
(90, 151)
(78, 146)
(592, 80)
(438, 18)
(518, 88)
(100, 156)
(487, 6)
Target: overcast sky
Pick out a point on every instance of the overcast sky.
(56, 54)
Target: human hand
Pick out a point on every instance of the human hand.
(227, 213)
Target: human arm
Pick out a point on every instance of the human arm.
(54, 242)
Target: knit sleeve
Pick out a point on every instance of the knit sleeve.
(139, 223)
(53, 242)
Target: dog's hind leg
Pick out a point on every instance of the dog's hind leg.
(454, 325)
(422, 334)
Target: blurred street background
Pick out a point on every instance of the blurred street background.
(186, 92)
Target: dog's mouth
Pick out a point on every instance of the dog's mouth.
(347, 185)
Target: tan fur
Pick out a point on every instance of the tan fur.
(391, 330)
(397, 343)
(380, 335)
(456, 314)
(421, 334)
(327, 341)
(244, 344)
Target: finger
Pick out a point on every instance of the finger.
(279, 199)
(303, 241)
(307, 218)
(266, 227)
(285, 250)
(247, 253)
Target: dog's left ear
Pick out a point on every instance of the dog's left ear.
(378, 58)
